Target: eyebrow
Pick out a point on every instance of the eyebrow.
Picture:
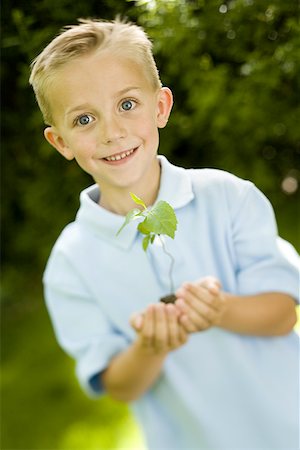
(124, 91)
(118, 94)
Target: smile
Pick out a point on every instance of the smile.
(120, 156)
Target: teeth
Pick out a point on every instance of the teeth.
(118, 157)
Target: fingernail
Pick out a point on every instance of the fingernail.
(138, 322)
(213, 287)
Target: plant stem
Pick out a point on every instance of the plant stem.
(171, 264)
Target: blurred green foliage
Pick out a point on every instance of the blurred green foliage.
(233, 67)
(234, 70)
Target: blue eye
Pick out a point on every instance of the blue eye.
(85, 119)
(127, 105)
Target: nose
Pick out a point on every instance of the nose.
(112, 130)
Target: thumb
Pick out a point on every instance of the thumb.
(136, 321)
(212, 284)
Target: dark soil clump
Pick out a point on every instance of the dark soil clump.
(168, 299)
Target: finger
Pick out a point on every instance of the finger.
(215, 299)
(212, 284)
(180, 306)
(187, 325)
(196, 312)
(199, 322)
(187, 311)
(173, 326)
(161, 328)
(147, 332)
(183, 335)
(136, 321)
(183, 318)
(194, 293)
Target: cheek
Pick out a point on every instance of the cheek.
(83, 146)
(149, 129)
(153, 136)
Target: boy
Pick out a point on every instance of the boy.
(219, 369)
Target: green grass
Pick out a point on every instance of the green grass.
(42, 405)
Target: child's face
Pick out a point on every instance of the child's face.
(107, 116)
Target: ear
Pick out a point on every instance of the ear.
(164, 104)
(53, 137)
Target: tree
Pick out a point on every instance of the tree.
(233, 67)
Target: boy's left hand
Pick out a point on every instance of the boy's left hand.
(201, 304)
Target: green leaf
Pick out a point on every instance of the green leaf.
(130, 216)
(142, 227)
(138, 200)
(161, 219)
(146, 241)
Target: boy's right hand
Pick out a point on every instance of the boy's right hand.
(158, 329)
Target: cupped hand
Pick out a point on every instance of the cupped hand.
(201, 304)
(159, 329)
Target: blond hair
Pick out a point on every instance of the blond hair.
(89, 36)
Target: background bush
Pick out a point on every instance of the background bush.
(234, 69)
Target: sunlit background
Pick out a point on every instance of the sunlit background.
(234, 70)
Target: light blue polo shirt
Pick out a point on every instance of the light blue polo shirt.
(221, 390)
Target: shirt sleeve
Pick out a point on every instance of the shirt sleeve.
(81, 328)
(264, 261)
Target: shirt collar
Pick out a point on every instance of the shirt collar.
(175, 184)
(175, 188)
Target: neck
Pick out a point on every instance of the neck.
(119, 200)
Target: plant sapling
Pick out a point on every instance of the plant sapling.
(157, 221)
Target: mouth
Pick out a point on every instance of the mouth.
(120, 156)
